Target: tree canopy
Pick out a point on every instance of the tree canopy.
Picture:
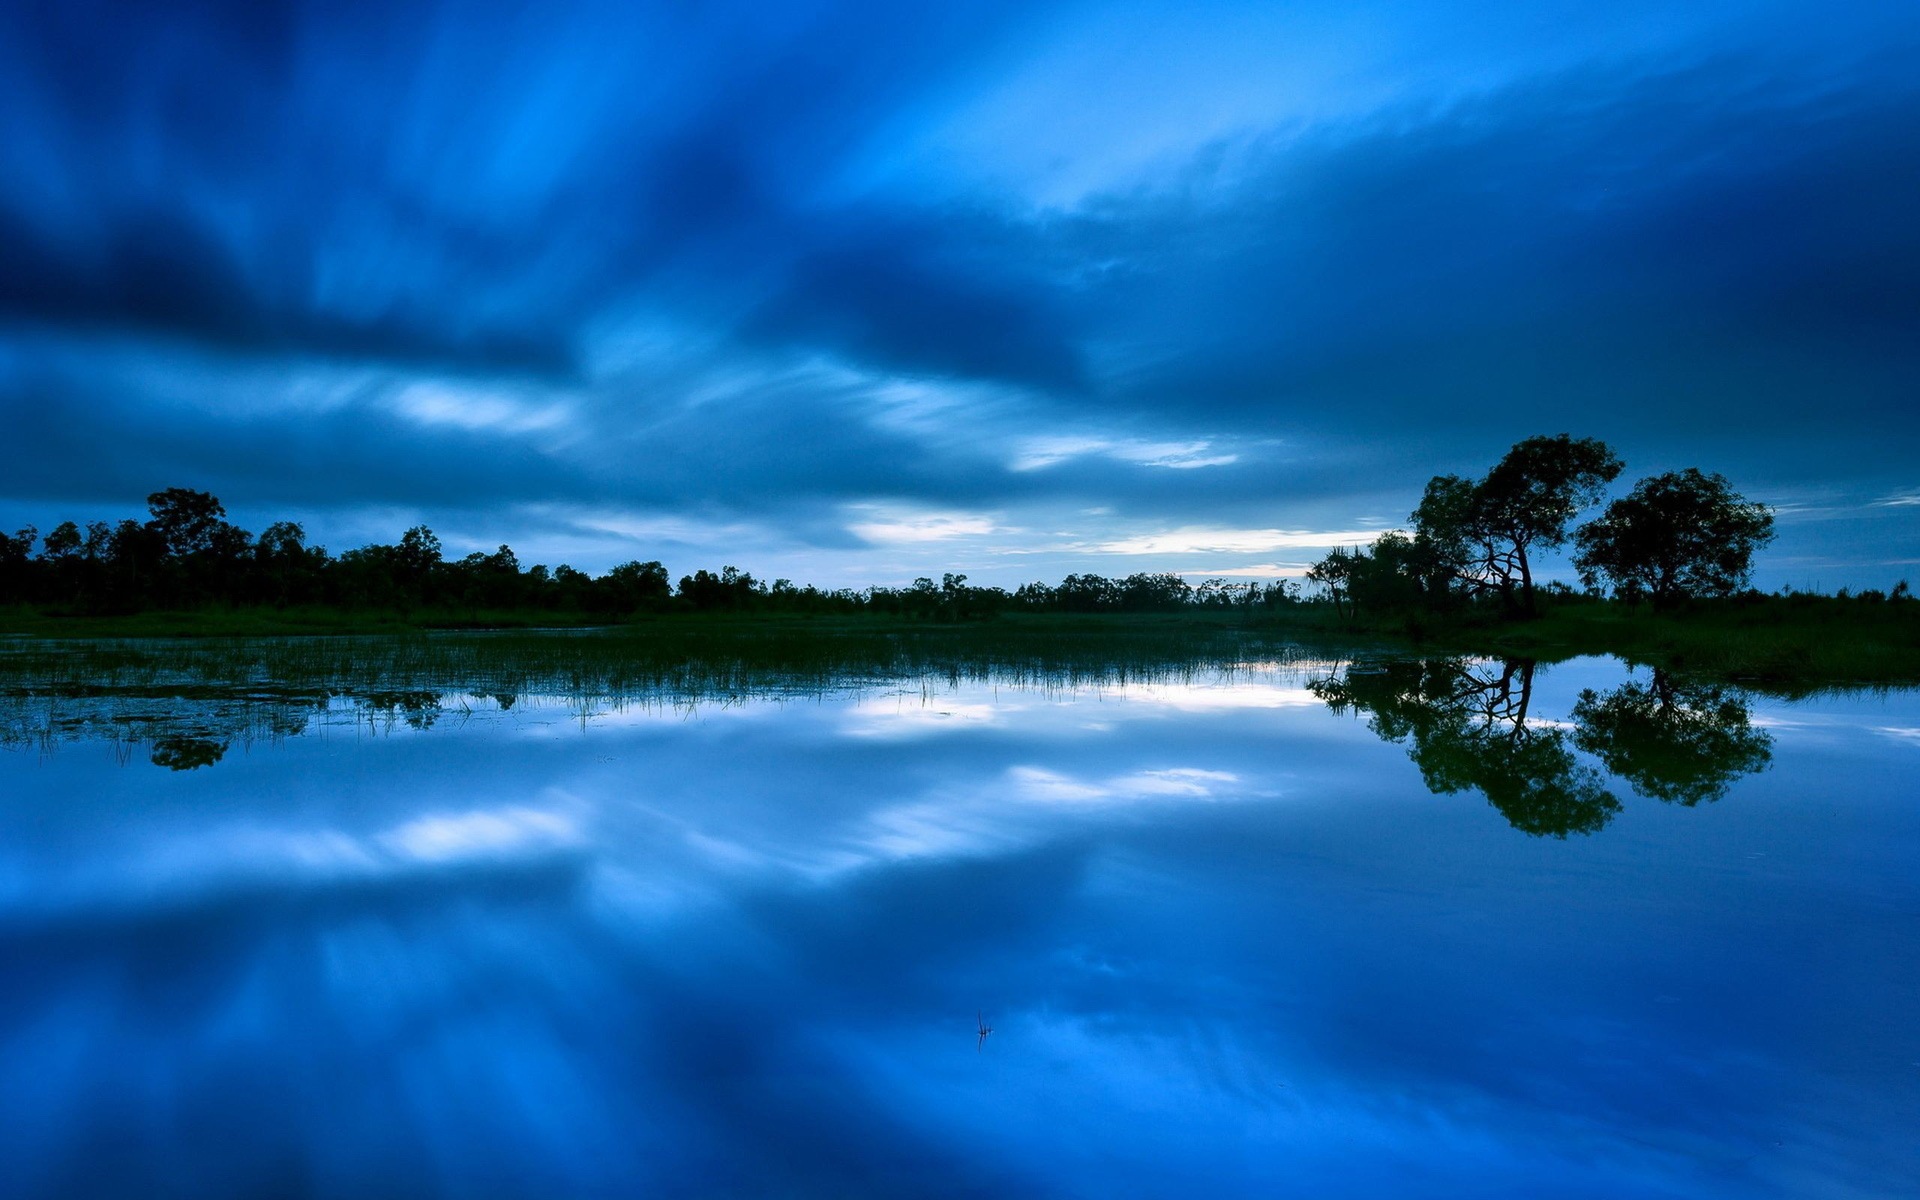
(187, 555)
(1677, 535)
(1482, 532)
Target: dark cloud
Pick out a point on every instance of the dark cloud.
(1660, 253)
(163, 274)
(930, 298)
(708, 242)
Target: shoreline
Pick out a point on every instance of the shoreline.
(1773, 643)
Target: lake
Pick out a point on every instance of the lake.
(1287, 925)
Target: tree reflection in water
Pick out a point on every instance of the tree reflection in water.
(187, 753)
(1672, 740)
(1468, 728)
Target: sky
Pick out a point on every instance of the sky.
(851, 293)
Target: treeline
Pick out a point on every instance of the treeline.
(187, 555)
(1674, 538)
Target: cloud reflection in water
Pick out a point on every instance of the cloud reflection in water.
(1225, 935)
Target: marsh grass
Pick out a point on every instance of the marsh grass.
(1787, 646)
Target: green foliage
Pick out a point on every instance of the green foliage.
(1474, 538)
(1677, 536)
(1397, 574)
(1481, 534)
(1682, 742)
(1467, 730)
(189, 522)
(629, 587)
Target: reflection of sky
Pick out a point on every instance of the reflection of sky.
(1229, 945)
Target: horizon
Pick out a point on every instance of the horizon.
(851, 295)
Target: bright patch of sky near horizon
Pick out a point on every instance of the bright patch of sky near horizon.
(852, 293)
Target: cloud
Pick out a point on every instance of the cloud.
(947, 297)
(472, 409)
(809, 260)
(1038, 453)
(893, 527)
(1202, 540)
(482, 833)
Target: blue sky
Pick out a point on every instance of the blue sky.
(851, 293)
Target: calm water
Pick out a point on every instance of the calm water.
(1400, 930)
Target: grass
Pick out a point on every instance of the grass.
(678, 656)
(276, 622)
(1776, 644)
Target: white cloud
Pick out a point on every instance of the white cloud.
(476, 409)
(1277, 570)
(1194, 539)
(895, 527)
(1037, 453)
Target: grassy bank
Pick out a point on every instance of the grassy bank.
(672, 658)
(1777, 643)
(278, 622)
(1781, 643)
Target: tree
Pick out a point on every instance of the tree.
(1148, 591)
(731, 588)
(631, 586)
(1483, 532)
(420, 552)
(286, 569)
(1335, 574)
(1395, 574)
(15, 550)
(187, 521)
(1677, 535)
(1086, 593)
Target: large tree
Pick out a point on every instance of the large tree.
(1677, 535)
(1485, 531)
(189, 522)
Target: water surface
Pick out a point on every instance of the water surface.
(1303, 928)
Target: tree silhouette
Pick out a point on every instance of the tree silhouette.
(1484, 532)
(15, 551)
(187, 521)
(632, 586)
(1676, 535)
